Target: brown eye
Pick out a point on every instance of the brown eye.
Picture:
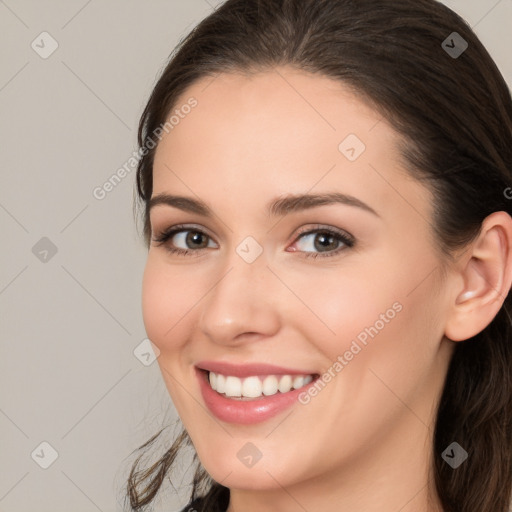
(190, 240)
(196, 240)
(323, 242)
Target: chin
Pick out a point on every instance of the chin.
(249, 479)
(229, 471)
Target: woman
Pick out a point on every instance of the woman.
(326, 202)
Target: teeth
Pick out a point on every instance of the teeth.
(233, 386)
(285, 384)
(298, 382)
(221, 383)
(213, 380)
(254, 386)
(251, 387)
(270, 385)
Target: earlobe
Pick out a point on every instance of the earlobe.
(486, 271)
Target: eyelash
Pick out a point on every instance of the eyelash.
(339, 235)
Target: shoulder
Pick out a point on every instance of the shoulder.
(191, 507)
(217, 500)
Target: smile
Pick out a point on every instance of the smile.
(250, 393)
(256, 386)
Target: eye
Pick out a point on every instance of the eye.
(327, 241)
(193, 240)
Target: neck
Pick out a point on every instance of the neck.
(390, 476)
(392, 473)
(391, 481)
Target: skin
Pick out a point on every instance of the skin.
(363, 444)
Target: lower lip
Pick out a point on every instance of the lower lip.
(246, 412)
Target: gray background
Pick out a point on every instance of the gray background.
(71, 321)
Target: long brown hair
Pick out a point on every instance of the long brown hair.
(454, 113)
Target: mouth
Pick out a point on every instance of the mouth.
(249, 394)
(255, 386)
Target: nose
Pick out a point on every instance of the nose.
(243, 304)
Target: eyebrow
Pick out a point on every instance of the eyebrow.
(277, 207)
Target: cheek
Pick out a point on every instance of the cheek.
(168, 294)
(341, 306)
(381, 310)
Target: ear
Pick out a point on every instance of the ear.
(486, 271)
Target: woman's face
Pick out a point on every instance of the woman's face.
(356, 305)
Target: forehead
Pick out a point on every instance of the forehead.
(282, 131)
(262, 104)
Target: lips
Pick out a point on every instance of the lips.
(255, 380)
(248, 370)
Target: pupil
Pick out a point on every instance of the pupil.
(194, 238)
(325, 240)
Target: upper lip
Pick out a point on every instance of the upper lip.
(247, 370)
